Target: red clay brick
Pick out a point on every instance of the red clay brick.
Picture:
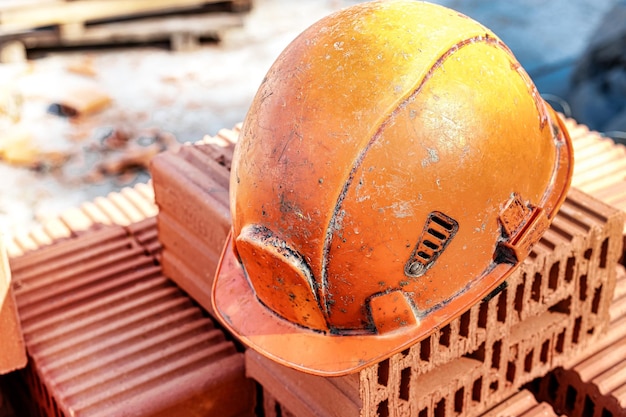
(13, 354)
(12, 350)
(523, 404)
(594, 383)
(599, 166)
(188, 260)
(108, 334)
(301, 394)
(192, 234)
(123, 208)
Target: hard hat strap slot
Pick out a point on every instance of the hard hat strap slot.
(522, 227)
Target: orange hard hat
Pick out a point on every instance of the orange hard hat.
(395, 166)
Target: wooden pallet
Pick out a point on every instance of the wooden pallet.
(59, 23)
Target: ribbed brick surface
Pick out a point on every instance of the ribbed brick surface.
(594, 383)
(193, 234)
(555, 305)
(107, 333)
(121, 208)
(600, 165)
(287, 392)
(523, 404)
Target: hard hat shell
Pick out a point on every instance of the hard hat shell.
(395, 166)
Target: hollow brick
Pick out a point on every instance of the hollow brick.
(555, 304)
(108, 334)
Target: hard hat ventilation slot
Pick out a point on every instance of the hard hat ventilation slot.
(436, 235)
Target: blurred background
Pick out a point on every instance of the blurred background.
(90, 90)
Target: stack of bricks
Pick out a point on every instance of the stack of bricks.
(555, 305)
(12, 350)
(106, 332)
(193, 233)
(594, 382)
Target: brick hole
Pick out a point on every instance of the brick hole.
(604, 251)
(458, 400)
(606, 413)
(406, 352)
(502, 306)
(560, 342)
(545, 350)
(510, 372)
(569, 269)
(547, 243)
(405, 383)
(440, 408)
(477, 388)
(595, 303)
(553, 387)
(528, 361)
(588, 253)
(535, 291)
(519, 299)
(591, 330)
(570, 398)
(563, 306)
(383, 409)
(444, 335)
(478, 354)
(425, 349)
(495, 354)
(553, 278)
(278, 410)
(576, 331)
(493, 387)
(483, 311)
(423, 412)
(589, 407)
(582, 288)
(534, 385)
(464, 324)
(383, 372)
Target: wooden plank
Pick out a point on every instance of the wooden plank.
(58, 13)
(155, 29)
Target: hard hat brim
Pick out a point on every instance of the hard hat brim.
(316, 352)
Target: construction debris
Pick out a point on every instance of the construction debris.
(80, 101)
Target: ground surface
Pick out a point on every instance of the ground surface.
(157, 94)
